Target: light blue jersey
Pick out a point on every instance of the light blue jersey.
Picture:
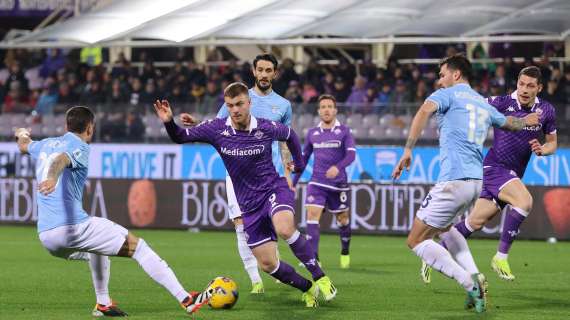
(271, 107)
(64, 205)
(464, 117)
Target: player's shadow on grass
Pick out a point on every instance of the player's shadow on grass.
(542, 300)
(364, 270)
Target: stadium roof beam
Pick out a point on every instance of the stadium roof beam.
(151, 23)
(279, 42)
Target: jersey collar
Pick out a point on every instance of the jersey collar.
(336, 124)
(252, 123)
(516, 98)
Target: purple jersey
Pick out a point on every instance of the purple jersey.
(332, 147)
(246, 155)
(511, 150)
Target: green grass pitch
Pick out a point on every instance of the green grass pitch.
(383, 282)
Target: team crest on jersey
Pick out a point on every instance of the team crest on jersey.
(337, 131)
(310, 198)
(275, 109)
(258, 134)
(539, 111)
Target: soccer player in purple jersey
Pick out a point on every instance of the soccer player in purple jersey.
(266, 104)
(505, 164)
(334, 150)
(265, 199)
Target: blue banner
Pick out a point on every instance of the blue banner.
(375, 163)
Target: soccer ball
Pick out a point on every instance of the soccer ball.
(223, 293)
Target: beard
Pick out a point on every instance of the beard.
(263, 87)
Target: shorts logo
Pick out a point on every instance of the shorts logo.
(426, 201)
(310, 198)
(513, 173)
(258, 134)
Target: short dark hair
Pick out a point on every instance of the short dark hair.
(267, 57)
(78, 118)
(235, 89)
(458, 62)
(533, 72)
(327, 97)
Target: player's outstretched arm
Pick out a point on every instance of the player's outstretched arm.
(546, 149)
(61, 162)
(295, 147)
(177, 134)
(307, 151)
(517, 124)
(23, 139)
(418, 124)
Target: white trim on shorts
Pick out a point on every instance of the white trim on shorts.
(259, 242)
(338, 211)
(282, 205)
(234, 211)
(315, 205)
(329, 187)
(508, 181)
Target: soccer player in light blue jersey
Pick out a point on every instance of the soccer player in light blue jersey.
(464, 118)
(265, 104)
(66, 230)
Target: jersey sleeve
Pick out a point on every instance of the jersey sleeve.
(497, 119)
(288, 116)
(203, 132)
(497, 102)
(34, 148)
(78, 155)
(442, 100)
(549, 126)
(279, 131)
(223, 112)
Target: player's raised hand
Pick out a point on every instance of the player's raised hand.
(47, 186)
(332, 172)
(163, 110)
(536, 147)
(404, 163)
(22, 133)
(187, 120)
(532, 119)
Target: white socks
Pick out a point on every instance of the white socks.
(100, 273)
(249, 261)
(438, 258)
(158, 270)
(457, 245)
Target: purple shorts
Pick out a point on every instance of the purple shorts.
(335, 200)
(258, 226)
(494, 180)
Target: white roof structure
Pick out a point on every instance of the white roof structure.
(218, 22)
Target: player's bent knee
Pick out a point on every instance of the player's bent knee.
(268, 265)
(411, 242)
